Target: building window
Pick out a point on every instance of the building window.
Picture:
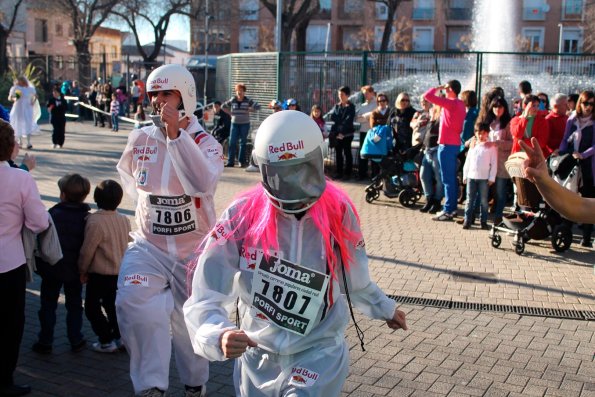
(378, 33)
(460, 10)
(534, 10)
(41, 30)
(572, 10)
(533, 39)
(59, 61)
(423, 10)
(352, 38)
(316, 37)
(381, 12)
(457, 38)
(248, 39)
(572, 40)
(249, 10)
(59, 30)
(353, 6)
(423, 38)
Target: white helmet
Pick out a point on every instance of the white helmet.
(178, 78)
(289, 150)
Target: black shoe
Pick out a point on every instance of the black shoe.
(229, 165)
(484, 226)
(436, 206)
(15, 390)
(586, 243)
(466, 225)
(77, 347)
(427, 206)
(41, 348)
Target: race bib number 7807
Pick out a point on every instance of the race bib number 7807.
(288, 294)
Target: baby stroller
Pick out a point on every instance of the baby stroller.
(537, 221)
(398, 177)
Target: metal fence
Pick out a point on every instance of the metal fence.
(313, 78)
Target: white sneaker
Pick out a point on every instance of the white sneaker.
(105, 347)
(252, 168)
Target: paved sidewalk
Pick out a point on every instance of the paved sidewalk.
(445, 352)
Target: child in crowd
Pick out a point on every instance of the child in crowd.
(479, 172)
(69, 217)
(139, 116)
(316, 114)
(106, 238)
(114, 111)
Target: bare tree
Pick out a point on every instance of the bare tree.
(5, 31)
(392, 6)
(295, 13)
(589, 27)
(87, 16)
(138, 12)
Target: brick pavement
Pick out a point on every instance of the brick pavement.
(446, 352)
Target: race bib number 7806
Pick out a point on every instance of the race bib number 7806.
(288, 294)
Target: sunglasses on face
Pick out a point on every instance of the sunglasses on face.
(382, 100)
(404, 100)
(590, 103)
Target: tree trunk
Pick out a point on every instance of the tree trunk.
(84, 62)
(286, 33)
(388, 29)
(300, 36)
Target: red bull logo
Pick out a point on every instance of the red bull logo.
(145, 153)
(136, 280)
(287, 156)
(159, 80)
(155, 87)
(303, 377)
(286, 146)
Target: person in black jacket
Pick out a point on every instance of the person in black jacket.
(400, 121)
(221, 123)
(341, 134)
(57, 107)
(69, 216)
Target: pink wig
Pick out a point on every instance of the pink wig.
(258, 217)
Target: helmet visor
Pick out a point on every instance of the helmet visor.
(298, 181)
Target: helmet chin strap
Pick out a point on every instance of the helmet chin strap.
(277, 203)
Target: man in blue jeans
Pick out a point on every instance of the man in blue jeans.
(452, 117)
(239, 107)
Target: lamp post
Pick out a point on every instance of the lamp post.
(207, 18)
(279, 25)
(560, 46)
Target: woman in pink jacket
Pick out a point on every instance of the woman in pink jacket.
(21, 207)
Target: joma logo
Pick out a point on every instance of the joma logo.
(290, 272)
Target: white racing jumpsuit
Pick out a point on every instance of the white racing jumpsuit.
(173, 183)
(300, 334)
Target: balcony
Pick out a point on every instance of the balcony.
(459, 14)
(424, 14)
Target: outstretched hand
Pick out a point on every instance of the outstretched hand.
(235, 342)
(398, 321)
(534, 167)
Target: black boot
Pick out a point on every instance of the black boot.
(427, 206)
(436, 206)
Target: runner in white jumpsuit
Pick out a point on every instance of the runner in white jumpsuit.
(172, 177)
(293, 313)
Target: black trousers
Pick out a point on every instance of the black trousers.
(362, 164)
(49, 294)
(12, 313)
(101, 292)
(58, 132)
(343, 148)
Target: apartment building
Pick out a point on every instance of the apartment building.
(420, 25)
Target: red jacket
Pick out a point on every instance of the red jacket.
(557, 125)
(540, 131)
